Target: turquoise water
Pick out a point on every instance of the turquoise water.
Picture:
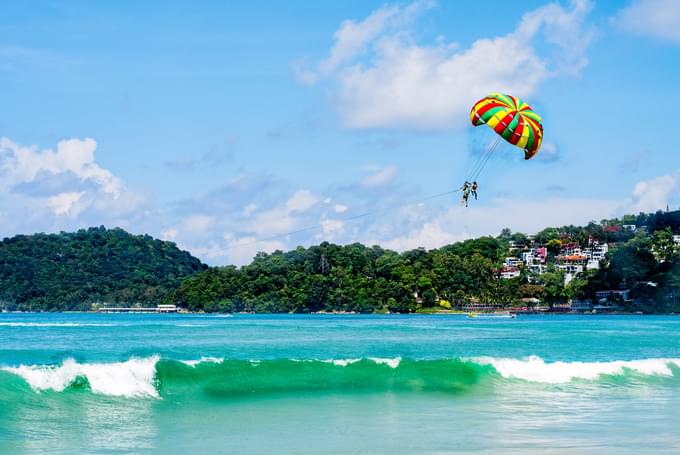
(90, 383)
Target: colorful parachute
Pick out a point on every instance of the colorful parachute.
(512, 119)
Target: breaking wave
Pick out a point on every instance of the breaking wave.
(132, 378)
(535, 369)
(154, 377)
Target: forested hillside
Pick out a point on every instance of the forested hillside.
(70, 271)
(642, 258)
(638, 254)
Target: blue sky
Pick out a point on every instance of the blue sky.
(222, 124)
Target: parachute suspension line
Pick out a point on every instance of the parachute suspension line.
(486, 161)
(482, 160)
(482, 157)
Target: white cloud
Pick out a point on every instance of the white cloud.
(382, 177)
(385, 80)
(271, 222)
(352, 38)
(340, 208)
(429, 235)
(62, 189)
(242, 250)
(283, 218)
(458, 223)
(301, 201)
(656, 18)
(23, 164)
(234, 250)
(654, 194)
(330, 228)
(65, 203)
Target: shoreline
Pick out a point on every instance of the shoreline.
(353, 313)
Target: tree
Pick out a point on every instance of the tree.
(663, 244)
(554, 290)
(554, 246)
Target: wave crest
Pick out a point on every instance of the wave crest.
(535, 369)
(213, 376)
(132, 378)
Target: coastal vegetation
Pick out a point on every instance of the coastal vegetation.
(71, 271)
(643, 259)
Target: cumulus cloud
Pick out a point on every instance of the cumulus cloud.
(654, 194)
(61, 188)
(232, 223)
(382, 78)
(656, 18)
(23, 164)
(66, 203)
(429, 235)
(250, 214)
(352, 38)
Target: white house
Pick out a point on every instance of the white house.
(513, 262)
(595, 254)
(508, 273)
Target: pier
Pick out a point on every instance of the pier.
(157, 309)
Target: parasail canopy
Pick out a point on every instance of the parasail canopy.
(512, 119)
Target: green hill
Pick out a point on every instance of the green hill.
(642, 258)
(70, 271)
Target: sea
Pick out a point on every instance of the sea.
(338, 384)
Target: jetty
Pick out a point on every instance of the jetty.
(156, 309)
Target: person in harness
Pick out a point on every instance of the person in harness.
(473, 189)
(466, 193)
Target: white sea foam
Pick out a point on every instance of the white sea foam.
(535, 369)
(341, 362)
(392, 363)
(132, 378)
(51, 324)
(193, 363)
